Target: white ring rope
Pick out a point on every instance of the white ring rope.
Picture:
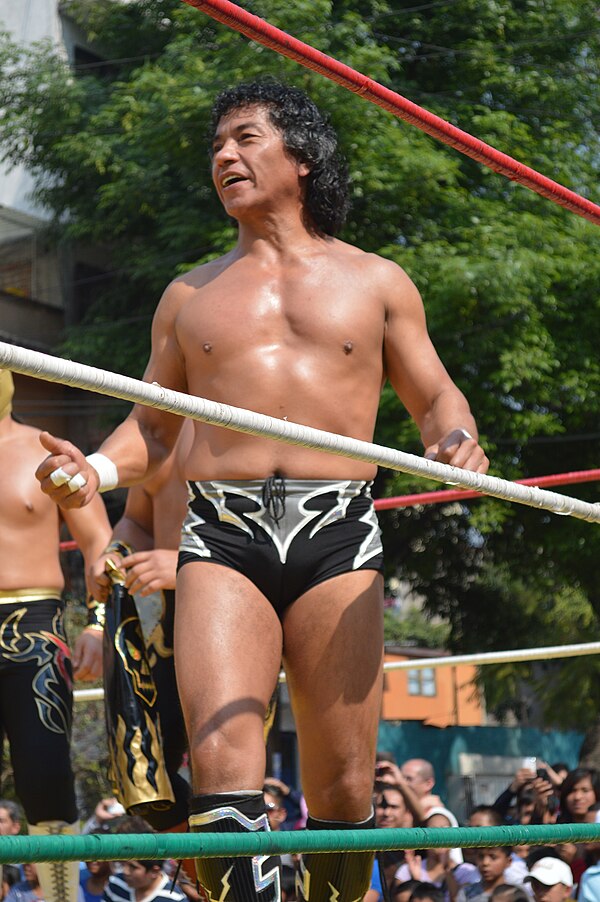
(489, 657)
(498, 657)
(78, 375)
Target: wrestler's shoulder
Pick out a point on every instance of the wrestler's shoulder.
(26, 436)
(196, 278)
(185, 288)
(386, 272)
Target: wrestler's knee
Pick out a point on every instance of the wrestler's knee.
(226, 756)
(346, 796)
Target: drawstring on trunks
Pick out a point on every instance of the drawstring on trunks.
(273, 497)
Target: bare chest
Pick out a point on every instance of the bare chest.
(24, 505)
(328, 313)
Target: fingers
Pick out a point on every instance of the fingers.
(139, 573)
(61, 452)
(150, 571)
(98, 582)
(87, 656)
(459, 449)
(52, 443)
(65, 476)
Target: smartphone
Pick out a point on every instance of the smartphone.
(530, 764)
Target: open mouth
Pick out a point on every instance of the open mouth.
(232, 180)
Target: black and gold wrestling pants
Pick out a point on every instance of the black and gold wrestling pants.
(146, 732)
(285, 535)
(36, 696)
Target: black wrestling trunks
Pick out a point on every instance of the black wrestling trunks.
(285, 535)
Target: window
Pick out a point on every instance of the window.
(422, 682)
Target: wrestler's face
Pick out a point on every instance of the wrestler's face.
(251, 169)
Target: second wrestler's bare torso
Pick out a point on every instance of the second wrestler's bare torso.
(29, 520)
(297, 338)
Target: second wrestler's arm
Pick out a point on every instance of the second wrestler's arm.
(137, 446)
(90, 528)
(134, 532)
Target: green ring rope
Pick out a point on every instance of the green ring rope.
(121, 847)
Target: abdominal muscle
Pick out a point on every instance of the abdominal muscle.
(349, 408)
(247, 457)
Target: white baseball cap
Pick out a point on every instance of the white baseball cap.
(551, 871)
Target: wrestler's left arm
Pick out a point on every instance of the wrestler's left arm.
(91, 529)
(419, 378)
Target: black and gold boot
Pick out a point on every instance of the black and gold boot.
(241, 879)
(335, 876)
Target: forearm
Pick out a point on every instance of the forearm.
(504, 801)
(449, 410)
(131, 533)
(139, 445)
(90, 527)
(412, 802)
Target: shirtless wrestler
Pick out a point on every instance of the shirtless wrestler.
(35, 662)
(280, 550)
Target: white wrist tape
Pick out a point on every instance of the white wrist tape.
(106, 470)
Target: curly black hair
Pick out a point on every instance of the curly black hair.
(308, 136)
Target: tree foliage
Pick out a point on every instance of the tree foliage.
(510, 281)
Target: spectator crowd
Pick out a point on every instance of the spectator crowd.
(403, 796)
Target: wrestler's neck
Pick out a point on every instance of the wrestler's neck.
(279, 234)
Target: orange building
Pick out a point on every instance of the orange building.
(442, 696)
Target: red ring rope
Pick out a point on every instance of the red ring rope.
(452, 494)
(263, 33)
(445, 495)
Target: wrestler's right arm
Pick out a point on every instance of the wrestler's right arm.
(137, 446)
(133, 531)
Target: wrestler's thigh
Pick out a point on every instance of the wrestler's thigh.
(333, 653)
(228, 644)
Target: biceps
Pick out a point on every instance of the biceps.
(415, 371)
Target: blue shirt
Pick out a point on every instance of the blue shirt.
(88, 896)
(589, 885)
(376, 880)
(22, 892)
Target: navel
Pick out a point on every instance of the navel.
(348, 346)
